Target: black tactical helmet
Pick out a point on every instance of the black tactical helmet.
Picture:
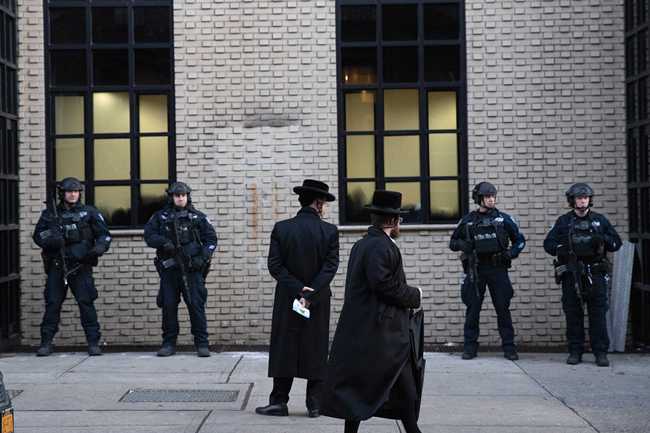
(69, 184)
(179, 188)
(481, 190)
(579, 190)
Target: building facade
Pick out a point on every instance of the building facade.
(243, 100)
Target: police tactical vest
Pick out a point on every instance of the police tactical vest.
(76, 227)
(581, 235)
(488, 234)
(186, 226)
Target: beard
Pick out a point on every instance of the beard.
(394, 232)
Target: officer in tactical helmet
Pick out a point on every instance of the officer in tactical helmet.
(73, 236)
(184, 241)
(580, 240)
(489, 240)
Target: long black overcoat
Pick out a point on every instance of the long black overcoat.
(304, 251)
(371, 344)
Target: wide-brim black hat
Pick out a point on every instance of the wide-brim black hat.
(386, 203)
(315, 187)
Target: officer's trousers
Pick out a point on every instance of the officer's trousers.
(597, 305)
(169, 297)
(498, 282)
(83, 288)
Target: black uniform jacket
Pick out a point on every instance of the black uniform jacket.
(304, 251)
(82, 226)
(371, 344)
(559, 234)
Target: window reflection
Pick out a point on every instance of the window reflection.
(154, 161)
(360, 156)
(112, 159)
(401, 109)
(359, 65)
(411, 199)
(114, 202)
(111, 112)
(153, 113)
(360, 111)
(69, 115)
(442, 110)
(359, 194)
(443, 155)
(402, 156)
(444, 199)
(69, 156)
(152, 198)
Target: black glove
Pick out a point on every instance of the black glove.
(562, 251)
(55, 241)
(597, 241)
(464, 246)
(197, 263)
(168, 248)
(506, 258)
(96, 251)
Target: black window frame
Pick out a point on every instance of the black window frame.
(637, 74)
(133, 89)
(9, 179)
(423, 87)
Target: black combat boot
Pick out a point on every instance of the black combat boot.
(601, 359)
(167, 349)
(511, 355)
(45, 349)
(94, 349)
(203, 351)
(469, 354)
(574, 358)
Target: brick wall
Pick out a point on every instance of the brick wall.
(256, 113)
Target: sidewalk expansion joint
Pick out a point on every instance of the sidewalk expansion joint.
(234, 368)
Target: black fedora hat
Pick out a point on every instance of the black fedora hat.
(315, 187)
(386, 203)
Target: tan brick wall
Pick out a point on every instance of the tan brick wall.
(256, 113)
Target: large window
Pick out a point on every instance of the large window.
(401, 104)
(9, 233)
(110, 103)
(638, 161)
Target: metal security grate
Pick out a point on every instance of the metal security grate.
(179, 396)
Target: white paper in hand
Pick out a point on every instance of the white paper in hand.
(304, 312)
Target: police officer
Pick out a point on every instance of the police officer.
(72, 236)
(580, 239)
(489, 240)
(184, 241)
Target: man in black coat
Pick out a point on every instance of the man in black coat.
(184, 240)
(72, 235)
(303, 258)
(370, 371)
(581, 240)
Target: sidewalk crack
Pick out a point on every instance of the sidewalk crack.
(560, 399)
(234, 368)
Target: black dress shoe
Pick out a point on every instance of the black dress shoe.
(511, 355)
(279, 409)
(574, 358)
(601, 360)
(313, 413)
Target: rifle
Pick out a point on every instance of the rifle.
(576, 267)
(472, 264)
(179, 257)
(64, 266)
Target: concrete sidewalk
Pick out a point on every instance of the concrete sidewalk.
(72, 393)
